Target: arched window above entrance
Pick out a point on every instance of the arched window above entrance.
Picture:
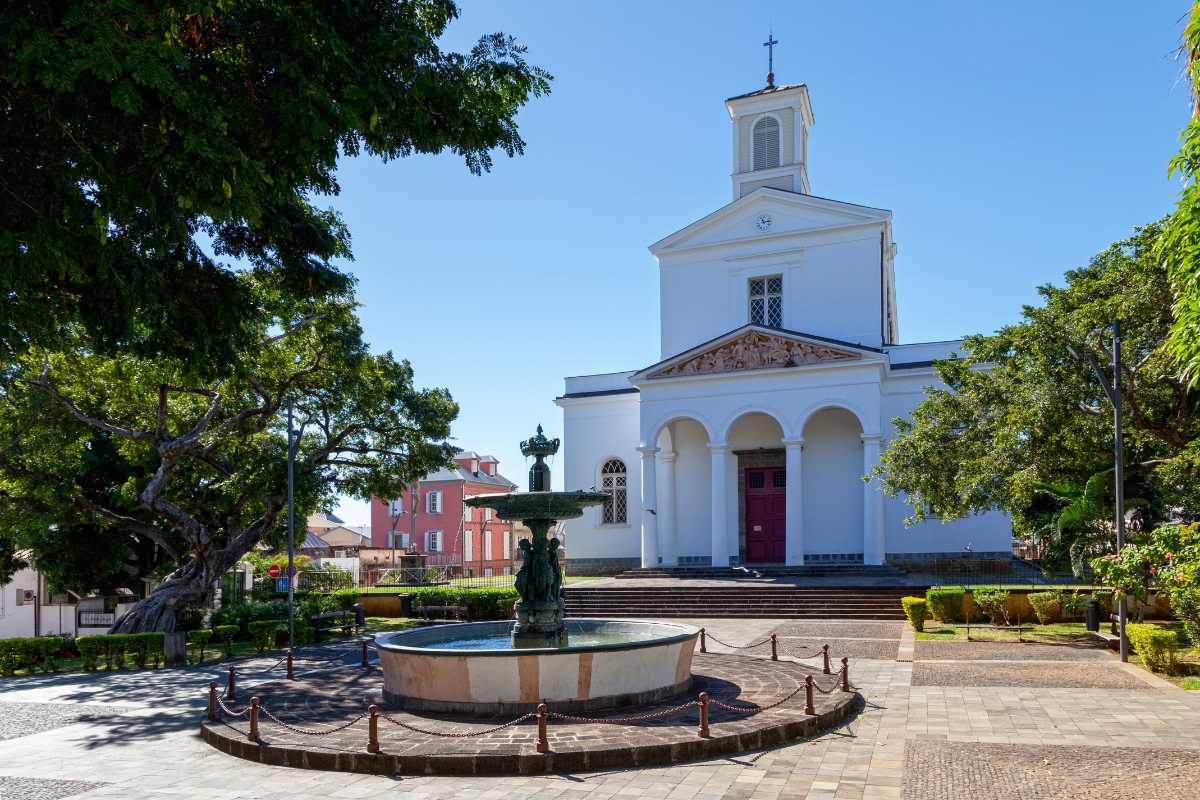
(612, 483)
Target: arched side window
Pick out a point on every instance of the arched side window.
(612, 483)
(766, 143)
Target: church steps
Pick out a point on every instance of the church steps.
(739, 600)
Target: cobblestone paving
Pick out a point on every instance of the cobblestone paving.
(945, 771)
(41, 789)
(1009, 651)
(848, 629)
(1028, 674)
(23, 719)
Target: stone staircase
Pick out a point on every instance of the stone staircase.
(739, 599)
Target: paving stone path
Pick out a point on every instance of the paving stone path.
(924, 742)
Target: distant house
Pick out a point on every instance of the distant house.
(28, 609)
(335, 534)
(447, 531)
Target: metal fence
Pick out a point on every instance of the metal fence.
(1014, 572)
(330, 578)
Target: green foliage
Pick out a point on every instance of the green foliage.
(1045, 606)
(945, 604)
(1104, 597)
(1155, 645)
(1070, 603)
(90, 648)
(199, 639)
(344, 599)
(242, 614)
(304, 633)
(145, 648)
(994, 603)
(189, 619)
(1018, 414)
(915, 609)
(263, 633)
(227, 634)
(134, 130)
(491, 602)
(30, 653)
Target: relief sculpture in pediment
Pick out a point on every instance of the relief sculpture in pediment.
(755, 351)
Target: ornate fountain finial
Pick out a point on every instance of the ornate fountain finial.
(539, 447)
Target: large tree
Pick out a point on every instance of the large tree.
(1023, 427)
(193, 469)
(131, 130)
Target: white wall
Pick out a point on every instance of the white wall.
(832, 468)
(17, 620)
(693, 493)
(595, 429)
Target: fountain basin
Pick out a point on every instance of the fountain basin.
(471, 667)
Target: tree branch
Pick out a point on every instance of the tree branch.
(128, 523)
(304, 321)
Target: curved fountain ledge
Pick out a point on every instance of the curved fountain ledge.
(420, 674)
(322, 702)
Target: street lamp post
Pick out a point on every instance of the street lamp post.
(291, 458)
(1114, 397)
(395, 510)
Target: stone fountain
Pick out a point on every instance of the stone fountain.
(511, 665)
(539, 581)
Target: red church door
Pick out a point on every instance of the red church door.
(766, 514)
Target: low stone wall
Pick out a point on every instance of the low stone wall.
(383, 605)
(1018, 604)
(592, 567)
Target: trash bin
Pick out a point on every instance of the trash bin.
(406, 599)
(1091, 614)
(360, 616)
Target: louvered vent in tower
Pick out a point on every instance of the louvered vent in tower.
(766, 143)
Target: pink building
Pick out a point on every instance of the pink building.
(447, 531)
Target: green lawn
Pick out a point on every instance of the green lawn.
(1061, 632)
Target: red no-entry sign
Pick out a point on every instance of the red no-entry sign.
(291, 571)
(274, 571)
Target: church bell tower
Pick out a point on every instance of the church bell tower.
(770, 138)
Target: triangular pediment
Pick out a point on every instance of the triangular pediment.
(752, 347)
(790, 213)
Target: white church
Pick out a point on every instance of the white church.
(781, 371)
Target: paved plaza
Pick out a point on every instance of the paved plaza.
(940, 727)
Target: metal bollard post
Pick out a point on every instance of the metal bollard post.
(702, 650)
(290, 676)
(845, 674)
(774, 654)
(543, 745)
(703, 732)
(364, 654)
(1019, 639)
(808, 696)
(212, 700)
(253, 734)
(231, 689)
(373, 729)
(825, 652)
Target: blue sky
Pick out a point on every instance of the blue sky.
(1010, 141)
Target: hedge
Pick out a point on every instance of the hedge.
(492, 602)
(1155, 645)
(994, 603)
(200, 639)
(263, 633)
(226, 634)
(29, 653)
(242, 614)
(914, 609)
(945, 604)
(143, 648)
(1044, 605)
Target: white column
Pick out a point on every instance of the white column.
(720, 523)
(649, 507)
(668, 531)
(794, 521)
(874, 544)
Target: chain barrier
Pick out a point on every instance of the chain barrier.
(241, 671)
(835, 686)
(343, 654)
(623, 720)
(294, 729)
(406, 726)
(738, 647)
(230, 711)
(756, 709)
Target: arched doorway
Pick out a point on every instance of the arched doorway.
(832, 488)
(755, 439)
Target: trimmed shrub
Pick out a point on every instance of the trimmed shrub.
(200, 639)
(242, 614)
(30, 653)
(491, 602)
(305, 633)
(994, 603)
(945, 604)
(263, 633)
(189, 619)
(1044, 605)
(1071, 603)
(1155, 645)
(226, 634)
(914, 609)
(344, 599)
(90, 648)
(144, 648)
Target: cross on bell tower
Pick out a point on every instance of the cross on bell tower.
(770, 45)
